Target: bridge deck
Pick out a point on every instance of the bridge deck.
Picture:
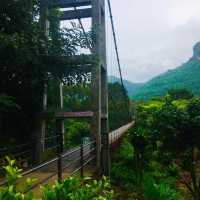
(116, 134)
(71, 160)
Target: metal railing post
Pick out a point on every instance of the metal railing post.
(60, 148)
(82, 159)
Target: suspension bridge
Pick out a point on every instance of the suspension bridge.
(98, 150)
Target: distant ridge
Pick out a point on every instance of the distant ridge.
(132, 88)
(186, 76)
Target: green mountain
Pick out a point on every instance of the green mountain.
(186, 76)
(132, 88)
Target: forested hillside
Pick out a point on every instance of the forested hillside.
(185, 76)
(132, 88)
(159, 158)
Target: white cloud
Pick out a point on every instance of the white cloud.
(155, 35)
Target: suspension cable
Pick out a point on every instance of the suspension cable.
(115, 42)
(117, 54)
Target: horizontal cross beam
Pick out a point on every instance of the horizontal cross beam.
(76, 14)
(86, 114)
(68, 3)
(76, 60)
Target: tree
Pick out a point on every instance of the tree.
(27, 58)
(180, 94)
(173, 131)
(21, 66)
(118, 106)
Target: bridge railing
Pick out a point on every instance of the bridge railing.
(117, 134)
(72, 161)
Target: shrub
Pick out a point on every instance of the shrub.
(158, 191)
(75, 189)
(126, 151)
(123, 175)
(9, 192)
(69, 189)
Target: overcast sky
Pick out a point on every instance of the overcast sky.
(155, 35)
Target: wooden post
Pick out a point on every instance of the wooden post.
(43, 131)
(44, 23)
(60, 148)
(104, 98)
(104, 126)
(82, 158)
(96, 107)
(61, 108)
(100, 88)
(40, 135)
(96, 81)
(60, 133)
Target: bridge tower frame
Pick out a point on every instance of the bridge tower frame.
(94, 9)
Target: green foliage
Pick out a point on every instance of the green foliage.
(75, 131)
(183, 77)
(69, 189)
(21, 76)
(132, 88)
(75, 189)
(13, 174)
(123, 174)
(123, 170)
(27, 58)
(173, 170)
(118, 106)
(181, 104)
(180, 94)
(171, 130)
(158, 191)
(77, 97)
(126, 150)
(7, 103)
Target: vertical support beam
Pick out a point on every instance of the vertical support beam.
(100, 88)
(104, 125)
(82, 158)
(61, 108)
(44, 23)
(104, 98)
(96, 107)
(60, 133)
(60, 147)
(43, 131)
(40, 135)
(96, 81)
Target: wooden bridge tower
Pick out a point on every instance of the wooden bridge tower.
(94, 9)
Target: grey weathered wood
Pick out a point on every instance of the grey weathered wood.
(69, 3)
(99, 115)
(61, 108)
(40, 135)
(105, 125)
(104, 97)
(76, 14)
(96, 107)
(44, 23)
(60, 131)
(96, 79)
(86, 114)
